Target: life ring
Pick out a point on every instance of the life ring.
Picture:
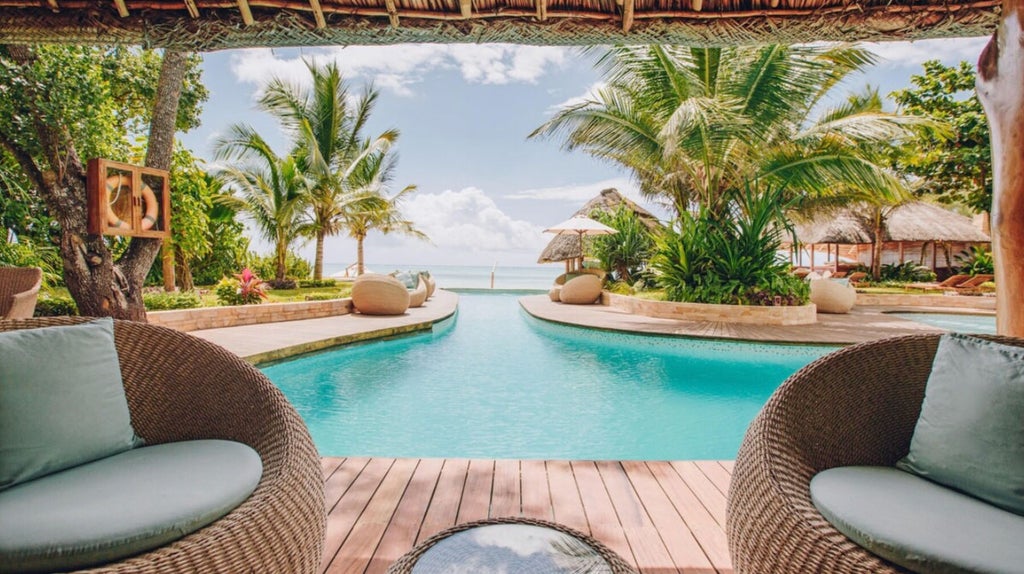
(115, 183)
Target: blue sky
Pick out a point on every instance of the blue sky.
(485, 192)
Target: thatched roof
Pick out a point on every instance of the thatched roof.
(564, 247)
(218, 24)
(914, 221)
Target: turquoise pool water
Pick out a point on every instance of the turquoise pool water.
(494, 382)
(959, 323)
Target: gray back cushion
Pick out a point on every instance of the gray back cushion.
(970, 435)
(62, 402)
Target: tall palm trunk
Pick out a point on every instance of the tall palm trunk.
(282, 255)
(318, 262)
(359, 254)
(876, 247)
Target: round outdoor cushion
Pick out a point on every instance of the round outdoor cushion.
(918, 524)
(374, 294)
(418, 295)
(832, 296)
(122, 505)
(581, 290)
(555, 293)
(431, 285)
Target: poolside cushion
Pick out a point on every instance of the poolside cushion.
(581, 290)
(918, 524)
(969, 435)
(61, 400)
(374, 294)
(122, 505)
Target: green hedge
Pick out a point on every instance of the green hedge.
(174, 300)
(317, 283)
(55, 306)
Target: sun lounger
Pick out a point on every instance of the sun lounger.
(951, 282)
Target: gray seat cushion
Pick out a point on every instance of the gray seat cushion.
(122, 505)
(918, 524)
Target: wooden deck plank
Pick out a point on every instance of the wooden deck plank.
(379, 509)
(716, 473)
(476, 495)
(536, 494)
(506, 496)
(699, 521)
(349, 508)
(368, 530)
(728, 465)
(401, 532)
(686, 552)
(444, 508)
(604, 522)
(565, 496)
(651, 555)
(706, 491)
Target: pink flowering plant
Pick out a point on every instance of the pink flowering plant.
(244, 288)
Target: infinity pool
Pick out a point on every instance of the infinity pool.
(494, 382)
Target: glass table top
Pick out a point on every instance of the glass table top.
(511, 549)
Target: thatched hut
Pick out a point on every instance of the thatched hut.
(912, 231)
(567, 247)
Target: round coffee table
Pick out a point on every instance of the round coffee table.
(512, 546)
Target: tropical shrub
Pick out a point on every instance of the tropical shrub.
(163, 301)
(244, 288)
(25, 253)
(55, 306)
(317, 283)
(624, 254)
(729, 256)
(976, 261)
(906, 273)
(295, 266)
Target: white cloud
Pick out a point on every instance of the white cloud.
(470, 220)
(913, 54)
(589, 95)
(398, 68)
(578, 192)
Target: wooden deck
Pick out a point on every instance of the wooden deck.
(664, 517)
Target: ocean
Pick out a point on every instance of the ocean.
(538, 277)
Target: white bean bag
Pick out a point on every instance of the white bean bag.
(832, 296)
(418, 295)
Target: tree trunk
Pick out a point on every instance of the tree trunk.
(167, 259)
(184, 276)
(876, 248)
(281, 254)
(1000, 77)
(359, 255)
(318, 262)
(99, 286)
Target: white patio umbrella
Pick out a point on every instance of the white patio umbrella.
(581, 226)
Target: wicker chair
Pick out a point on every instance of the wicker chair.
(19, 287)
(856, 406)
(180, 387)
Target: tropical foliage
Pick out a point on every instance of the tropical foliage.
(906, 272)
(326, 124)
(244, 288)
(730, 255)
(271, 190)
(956, 169)
(61, 104)
(976, 261)
(370, 180)
(691, 124)
(624, 254)
(295, 266)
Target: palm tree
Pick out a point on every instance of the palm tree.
(272, 190)
(692, 123)
(372, 208)
(326, 126)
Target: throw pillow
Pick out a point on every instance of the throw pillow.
(62, 402)
(969, 435)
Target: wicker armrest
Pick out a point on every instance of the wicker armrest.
(858, 405)
(180, 387)
(23, 304)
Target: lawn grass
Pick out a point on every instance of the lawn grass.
(209, 298)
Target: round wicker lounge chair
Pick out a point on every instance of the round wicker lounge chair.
(832, 296)
(374, 294)
(215, 394)
(418, 295)
(19, 288)
(581, 290)
(856, 406)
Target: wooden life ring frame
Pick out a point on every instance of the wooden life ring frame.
(115, 182)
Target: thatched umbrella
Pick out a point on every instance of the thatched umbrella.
(912, 221)
(566, 248)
